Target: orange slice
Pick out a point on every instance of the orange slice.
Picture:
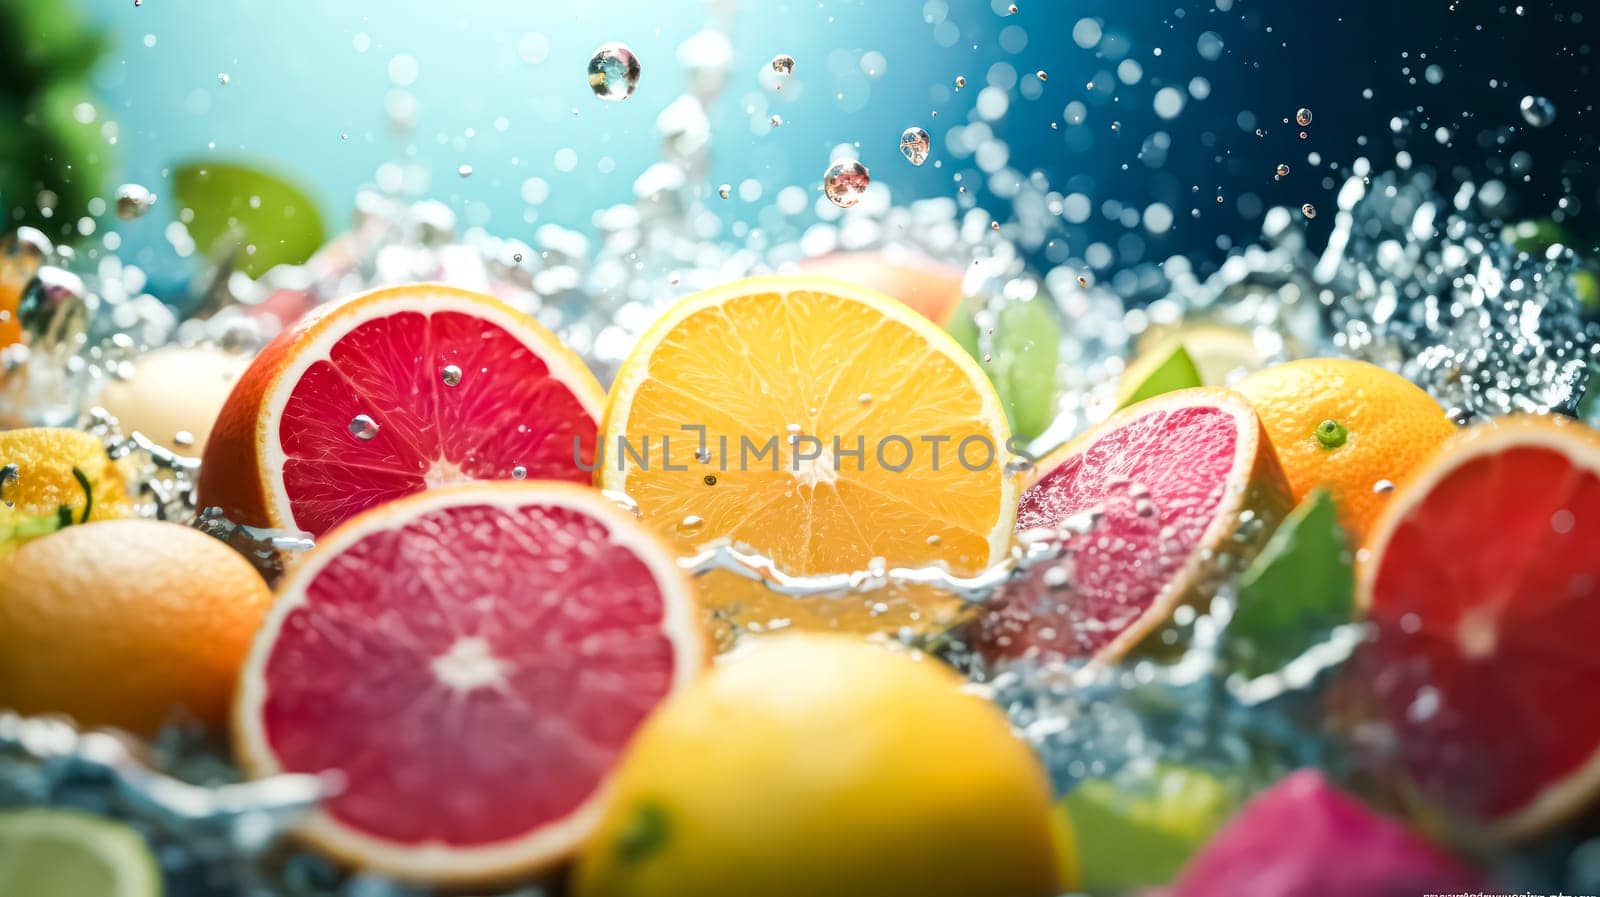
(786, 378)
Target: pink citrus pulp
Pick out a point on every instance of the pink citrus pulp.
(470, 661)
(1167, 482)
(393, 392)
(1484, 586)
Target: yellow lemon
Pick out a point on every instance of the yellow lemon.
(55, 474)
(824, 765)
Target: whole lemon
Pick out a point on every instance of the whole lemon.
(1349, 426)
(824, 765)
(123, 622)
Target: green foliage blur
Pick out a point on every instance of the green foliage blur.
(46, 53)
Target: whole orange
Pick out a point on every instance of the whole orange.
(122, 622)
(1350, 426)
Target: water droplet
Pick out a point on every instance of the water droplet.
(1042, 75)
(1012, 9)
(465, 171)
(776, 120)
(519, 472)
(363, 427)
(673, 277)
(934, 539)
(450, 375)
(994, 225)
(703, 455)
(1383, 486)
(1057, 577)
(783, 64)
(223, 79)
(987, 358)
(8, 474)
(844, 182)
(725, 190)
(516, 257)
(1308, 210)
(914, 143)
(1083, 280)
(961, 81)
(1537, 111)
(865, 398)
(709, 479)
(183, 438)
(133, 200)
(1302, 116)
(690, 523)
(1283, 170)
(613, 72)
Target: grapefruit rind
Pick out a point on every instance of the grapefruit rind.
(1257, 485)
(249, 455)
(635, 370)
(1564, 799)
(433, 863)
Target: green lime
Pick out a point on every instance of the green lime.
(1301, 585)
(1137, 830)
(1155, 373)
(65, 853)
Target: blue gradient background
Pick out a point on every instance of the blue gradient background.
(297, 82)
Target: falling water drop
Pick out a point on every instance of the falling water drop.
(725, 190)
(133, 200)
(613, 72)
(783, 64)
(1302, 116)
(1308, 210)
(1537, 111)
(914, 143)
(363, 427)
(464, 171)
(844, 182)
(1042, 75)
(223, 79)
(1283, 170)
(961, 81)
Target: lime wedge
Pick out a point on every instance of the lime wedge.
(1300, 586)
(64, 853)
(1156, 373)
(1132, 832)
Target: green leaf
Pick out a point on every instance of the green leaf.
(1152, 375)
(1139, 833)
(267, 219)
(1299, 586)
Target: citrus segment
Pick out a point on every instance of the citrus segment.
(471, 661)
(68, 853)
(839, 427)
(1171, 482)
(391, 393)
(1484, 583)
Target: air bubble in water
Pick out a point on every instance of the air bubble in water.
(1537, 111)
(844, 182)
(1302, 116)
(451, 375)
(133, 200)
(783, 64)
(363, 427)
(914, 143)
(1308, 210)
(613, 72)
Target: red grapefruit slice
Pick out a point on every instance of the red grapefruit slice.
(1175, 482)
(393, 392)
(472, 661)
(1484, 586)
